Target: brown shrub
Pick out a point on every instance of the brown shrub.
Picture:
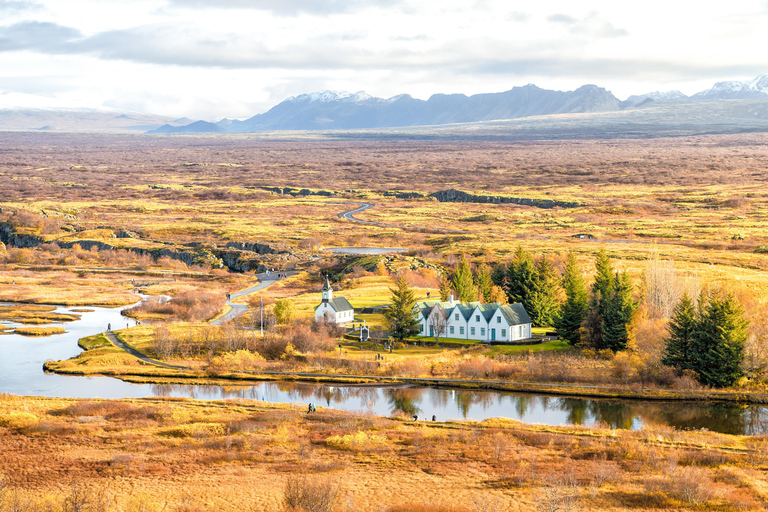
(311, 493)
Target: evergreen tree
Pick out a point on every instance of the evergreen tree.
(445, 288)
(484, 283)
(602, 291)
(719, 342)
(521, 278)
(499, 275)
(544, 296)
(574, 310)
(400, 314)
(683, 325)
(463, 282)
(618, 314)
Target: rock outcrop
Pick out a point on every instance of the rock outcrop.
(458, 196)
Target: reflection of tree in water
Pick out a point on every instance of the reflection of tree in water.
(521, 404)
(404, 399)
(576, 409)
(440, 398)
(466, 399)
(728, 418)
(580, 411)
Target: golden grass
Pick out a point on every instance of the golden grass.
(39, 331)
(214, 453)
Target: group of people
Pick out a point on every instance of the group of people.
(416, 417)
(280, 275)
(312, 408)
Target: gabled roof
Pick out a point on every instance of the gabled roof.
(465, 309)
(327, 285)
(487, 310)
(515, 314)
(340, 304)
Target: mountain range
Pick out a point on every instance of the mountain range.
(335, 110)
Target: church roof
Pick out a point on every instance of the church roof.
(340, 304)
(327, 285)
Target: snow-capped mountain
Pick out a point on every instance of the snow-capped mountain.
(657, 96)
(331, 96)
(734, 90)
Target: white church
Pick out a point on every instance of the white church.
(333, 310)
(474, 321)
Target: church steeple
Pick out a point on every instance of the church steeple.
(327, 290)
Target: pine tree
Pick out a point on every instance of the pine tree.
(521, 278)
(602, 294)
(545, 296)
(444, 288)
(499, 275)
(719, 342)
(400, 315)
(484, 283)
(683, 325)
(618, 314)
(463, 282)
(574, 310)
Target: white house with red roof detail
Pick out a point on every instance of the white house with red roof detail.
(333, 310)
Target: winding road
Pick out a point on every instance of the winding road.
(265, 281)
(361, 207)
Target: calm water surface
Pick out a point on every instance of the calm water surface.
(21, 362)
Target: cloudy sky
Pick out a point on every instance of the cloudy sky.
(236, 58)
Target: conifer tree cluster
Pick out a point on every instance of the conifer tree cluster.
(708, 340)
(399, 315)
(534, 284)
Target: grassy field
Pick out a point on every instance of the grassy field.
(245, 455)
(700, 201)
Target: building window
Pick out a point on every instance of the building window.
(456, 316)
(503, 333)
(498, 319)
(477, 318)
(482, 331)
(521, 331)
(461, 330)
(451, 329)
(472, 331)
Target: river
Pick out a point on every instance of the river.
(21, 373)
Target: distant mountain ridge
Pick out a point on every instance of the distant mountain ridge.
(340, 110)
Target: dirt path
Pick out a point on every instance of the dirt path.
(138, 355)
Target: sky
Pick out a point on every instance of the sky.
(208, 59)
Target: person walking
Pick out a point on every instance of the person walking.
(109, 327)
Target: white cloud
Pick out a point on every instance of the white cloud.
(206, 58)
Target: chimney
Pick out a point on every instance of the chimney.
(450, 299)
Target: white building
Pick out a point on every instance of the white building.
(333, 310)
(475, 321)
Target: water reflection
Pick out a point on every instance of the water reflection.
(449, 404)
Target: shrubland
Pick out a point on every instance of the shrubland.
(182, 455)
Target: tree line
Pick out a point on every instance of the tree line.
(706, 335)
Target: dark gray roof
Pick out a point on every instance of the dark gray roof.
(488, 310)
(340, 304)
(515, 314)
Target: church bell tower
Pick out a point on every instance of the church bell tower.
(327, 290)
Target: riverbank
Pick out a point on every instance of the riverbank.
(150, 374)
